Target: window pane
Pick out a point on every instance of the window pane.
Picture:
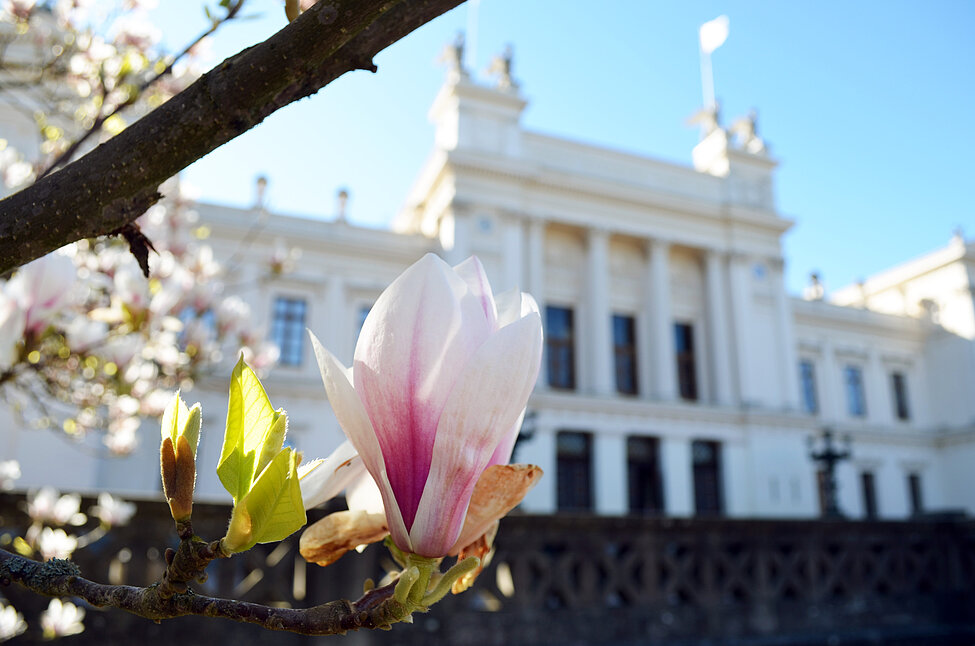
(643, 474)
(900, 396)
(807, 383)
(574, 471)
(686, 369)
(624, 352)
(869, 494)
(855, 401)
(560, 345)
(914, 488)
(706, 461)
(288, 329)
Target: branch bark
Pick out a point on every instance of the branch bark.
(116, 182)
(57, 578)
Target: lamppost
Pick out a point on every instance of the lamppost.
(827, 459)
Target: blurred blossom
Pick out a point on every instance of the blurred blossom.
(48, 506)
(113, 511)
(41, 288)
(19, 9)
(134, 30)
(62, 619)
(11, 331)
(11, 622)
(56, 544)
(9, 473)
(82, 333)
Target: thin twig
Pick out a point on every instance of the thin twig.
(58, 578)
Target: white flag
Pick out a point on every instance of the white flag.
(713, 33)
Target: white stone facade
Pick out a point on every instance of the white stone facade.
(601, 234)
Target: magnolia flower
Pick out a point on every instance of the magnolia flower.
(56, 544)
(113, 511)
(42, 288)
(11, 331)
(11, 622)
(441, 376)
(48, 506)
(62, 619)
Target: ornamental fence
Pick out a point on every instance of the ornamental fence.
(571, 580)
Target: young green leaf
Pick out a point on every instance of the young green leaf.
(272, 510)
(250, 417)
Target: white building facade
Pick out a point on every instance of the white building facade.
(679, 377)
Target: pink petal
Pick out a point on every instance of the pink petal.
(502, 454)
(483, 407)
(354, 421)
(413, 347)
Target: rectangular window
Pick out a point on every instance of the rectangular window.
(914, 489)
(560, 344)
(706, 461)
(288, 328)
(624, 353)
(574, 471)
(869, 489)
(856, 404)
(807, 382)
(686, 370)
(643, 475)
(899, 384)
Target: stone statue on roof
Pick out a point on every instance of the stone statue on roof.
(453, 56)
(745, 131)
(501, 68)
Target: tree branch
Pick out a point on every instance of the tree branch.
(57, 578)
(116, 182)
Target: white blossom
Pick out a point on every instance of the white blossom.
(113, 511)
(56, 544)
(11, 622)
(62, 618)
(9, 473)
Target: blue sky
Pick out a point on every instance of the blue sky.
(868, 106)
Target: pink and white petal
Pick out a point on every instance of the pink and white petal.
(472, 271)
(502, 454)
(482, 408)
(513, 305)
(355, 423)
(413, 347)
(329, 477)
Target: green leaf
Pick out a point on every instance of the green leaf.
(272, 510)
(251, 426)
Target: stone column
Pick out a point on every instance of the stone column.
(458, 247)
(609, 474)
(664, 368)
(675, 463)
(513, 255)
(880, 402)
(830, 386)
(720, 365)
(599, 343)
(741, 301)
(786, 337)
(536, 283)
(332, 329)
(540, 450)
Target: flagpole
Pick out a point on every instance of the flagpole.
(707, 80)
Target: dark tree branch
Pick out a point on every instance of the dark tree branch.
(116, 182)
(377, 608)
(70, 152)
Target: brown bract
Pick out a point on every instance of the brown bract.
(499, 490)
(331, 537)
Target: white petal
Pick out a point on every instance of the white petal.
(482, 408)
(354, 421)
(326, 479)
(513, 305)
(473, 274)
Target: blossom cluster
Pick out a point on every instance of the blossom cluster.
(84, 327)
(86, 342)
